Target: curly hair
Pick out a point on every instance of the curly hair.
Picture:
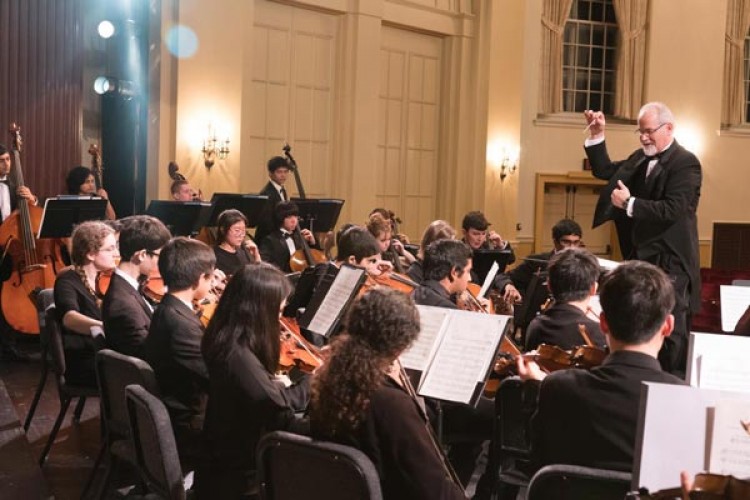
(87, 238)
(379, 326)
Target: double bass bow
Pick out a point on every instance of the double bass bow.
(35, 262)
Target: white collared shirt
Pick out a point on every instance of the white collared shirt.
(134, 283)
(278, 188)
(5, 198)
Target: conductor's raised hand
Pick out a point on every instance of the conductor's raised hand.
(595, 123)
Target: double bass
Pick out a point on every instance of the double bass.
(35, 262)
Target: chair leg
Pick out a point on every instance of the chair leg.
(110, 466)
(79, 410)
(92, 474)
(64, 404)
(37, 397)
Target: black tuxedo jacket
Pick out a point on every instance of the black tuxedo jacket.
(590, 418)
(558, 326)
(265, 225)
(126, 316)
(521, 275)
(432, 293)
(663, 229)
(274, 250)
(173, 349)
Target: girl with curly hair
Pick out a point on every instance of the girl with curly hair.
(358, 399)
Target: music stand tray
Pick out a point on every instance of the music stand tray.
(253, 206)
(483, 259)
(318, 215)
(182, 218)
(63, 213)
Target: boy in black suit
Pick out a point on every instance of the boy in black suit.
(603, 404)
(278, 172)
(279, 246)
(173, 345)
(125, 311)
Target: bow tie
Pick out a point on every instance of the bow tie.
(4, 181)
(657, 156)
(286, 235)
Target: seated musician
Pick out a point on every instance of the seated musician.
(235, 249)
(181, 190)
(80, 181)
(436, 230)
(241, 349)
(125, 311)
(278, 172)
(391, 249)
(566, 233)
(278, 247)
(93, 250)
(173, 344)
(370, 407)
(573, 276)
(479, 237)
(589, 418)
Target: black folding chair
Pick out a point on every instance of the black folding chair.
(573, 482)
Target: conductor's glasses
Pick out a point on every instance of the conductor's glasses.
(648, 131)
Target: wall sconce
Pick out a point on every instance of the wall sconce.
(508, 164)
(214, 148)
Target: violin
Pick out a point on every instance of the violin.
(154, 288)
(393, 280)
(295, 350)
(468, 301)
(706, 486)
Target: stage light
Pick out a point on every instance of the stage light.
(105, 85)
(106, 29)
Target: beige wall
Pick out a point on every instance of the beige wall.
(489, 90)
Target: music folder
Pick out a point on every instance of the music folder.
(62, 213)
(318, 215)
(254, 207)
(332, 297)
(483, 259)
(182, 218)
(454, 352)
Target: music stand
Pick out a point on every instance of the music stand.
(182, 218)
(253, 206)
(483, 259)
(61, 214)
(318, 215)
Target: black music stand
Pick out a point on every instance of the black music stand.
(318, 215)
(63, 213)
(253, 206)
(483, 259)
(182, 218)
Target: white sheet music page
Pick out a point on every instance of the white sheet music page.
(730, 439)
(734, 303)
(488, 280)
(341, 290)
(468, 347)
(725, 372)
(432, 325)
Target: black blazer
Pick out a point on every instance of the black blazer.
(173, 349)
(590, 418)
(521, 275)
(558, 326)
(126, 316)
(663, 229)
(265, 224)
(432, 293)
(274, 250)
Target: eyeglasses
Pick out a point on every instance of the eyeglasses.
(153, 254)
(647, 131)
(238, 230)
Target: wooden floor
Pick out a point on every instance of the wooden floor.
(74, 451)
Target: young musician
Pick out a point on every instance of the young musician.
(80, 181)
(602, 403)
(173, 344)
(360, 399)
(235, 249)
(391, 249)
(181, 190)
(573, 276)
(9, 194)
(447, 273)
(125, 311)
(436, 230)
(93, 250)
(241, 349)
(566, 233)
(278, 247)
(278, 172)
(479, 237)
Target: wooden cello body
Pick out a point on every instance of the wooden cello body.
(34, 263)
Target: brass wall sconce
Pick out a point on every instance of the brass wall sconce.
(214, 148)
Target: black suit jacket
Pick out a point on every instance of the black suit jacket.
(432, 293)
(274, 250)
(590, 417)
(521, 275)
(126, 316)
(173, 349)
(265, 225)
(558, 326)
(663, 229)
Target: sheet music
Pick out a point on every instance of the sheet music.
(338, 295)
(607, 264)
(463, 357)
(734, 303)
(730, 439)
(488, 280)
(702, 371)
(432, 325)
(723, 372)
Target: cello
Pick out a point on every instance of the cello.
(35, 262)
